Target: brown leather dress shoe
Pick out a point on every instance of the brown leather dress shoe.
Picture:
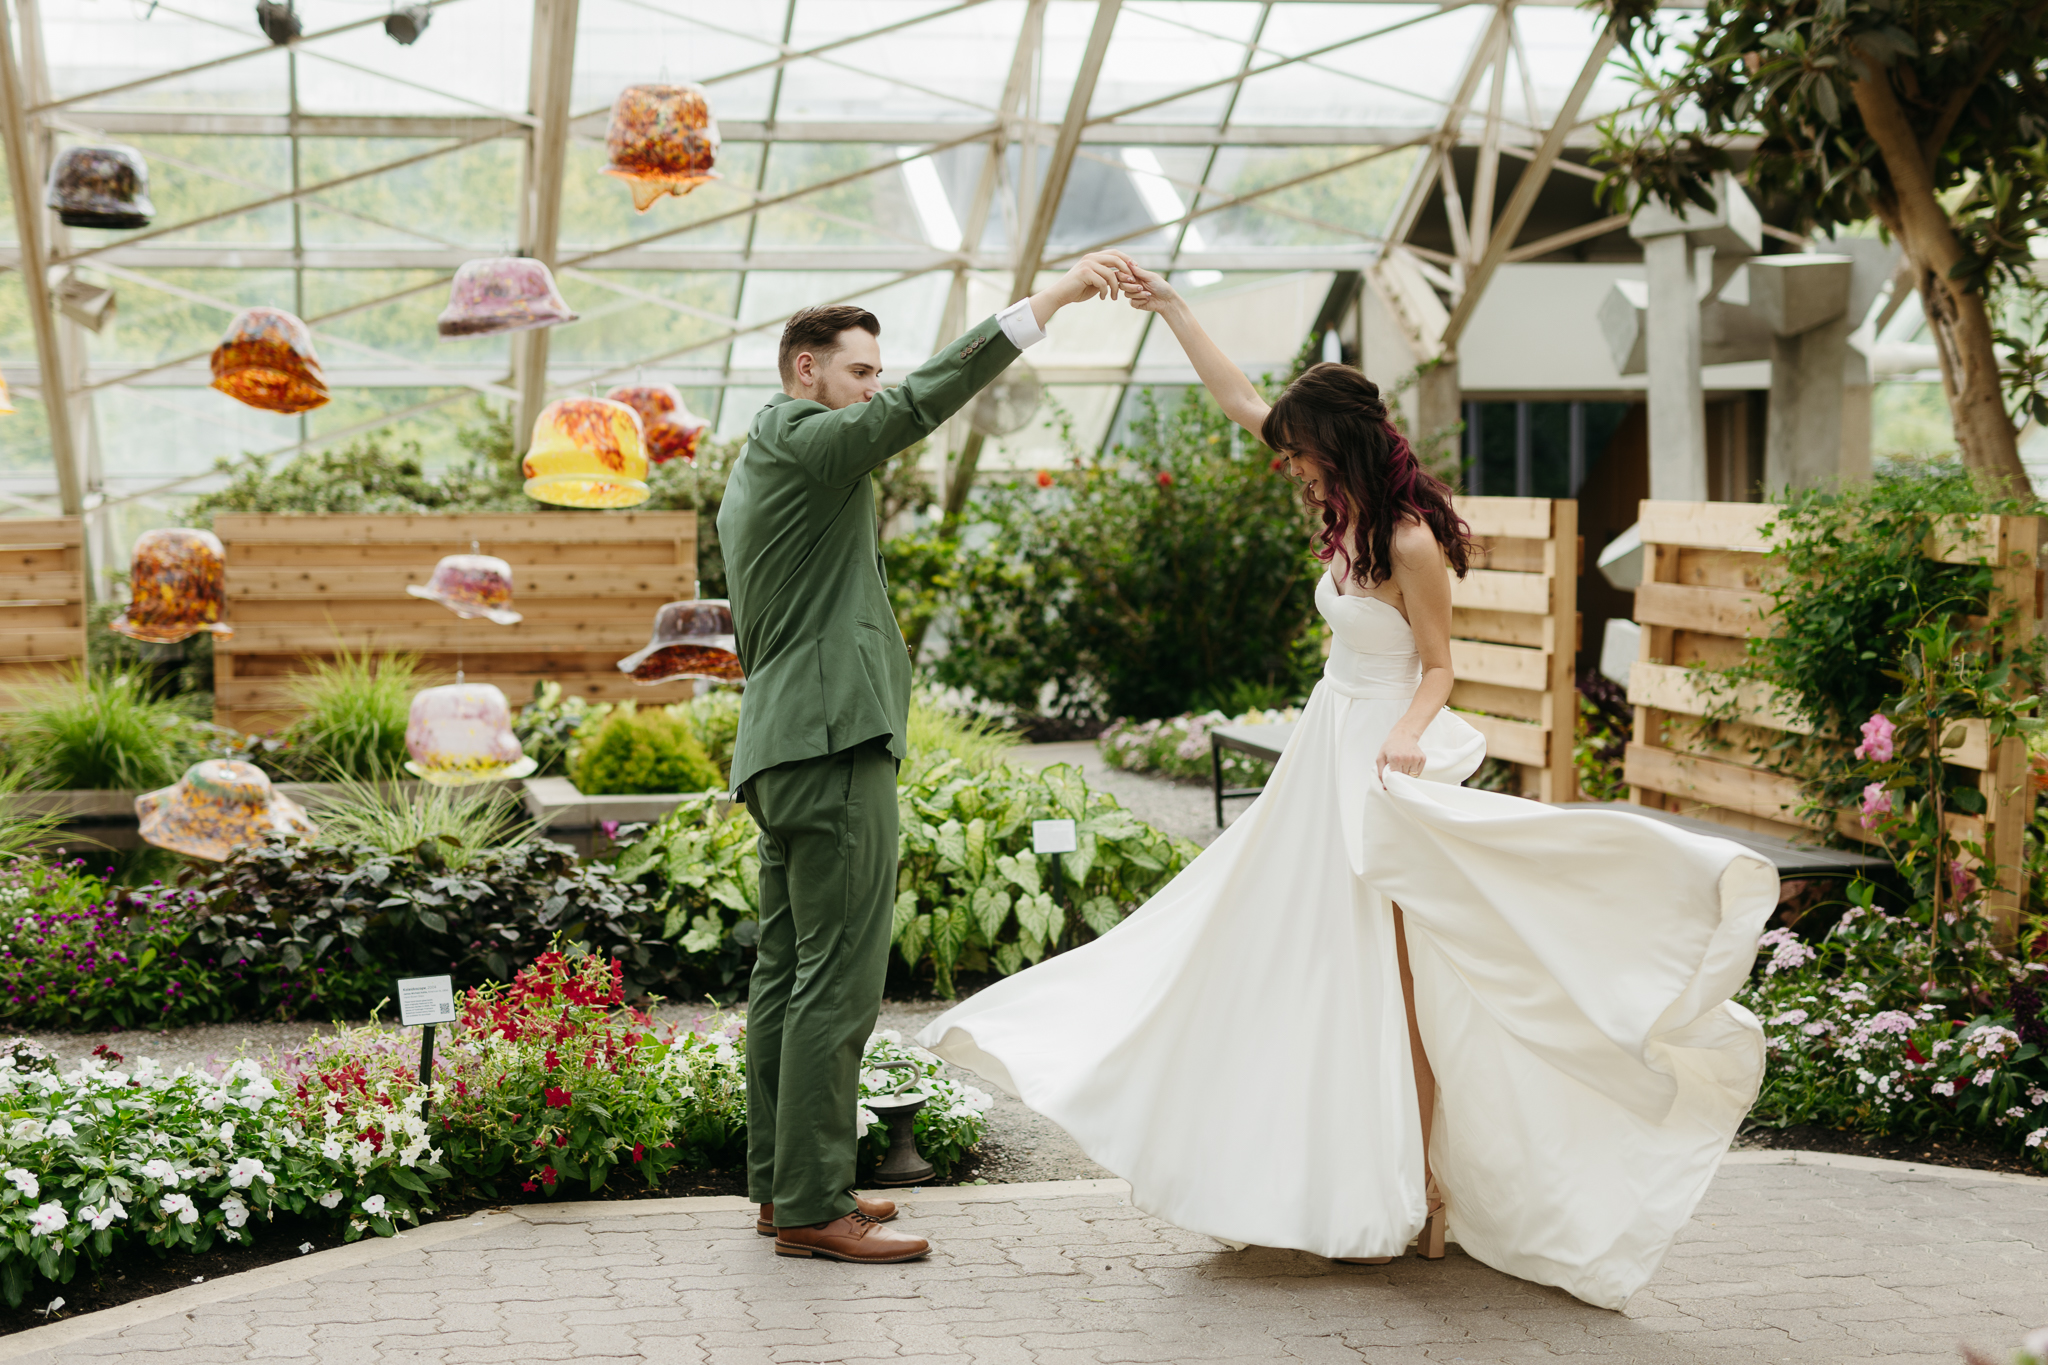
(881, 1210)
(856, 1237)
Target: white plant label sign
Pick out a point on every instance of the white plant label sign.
(426, 1000)
(1052, 836)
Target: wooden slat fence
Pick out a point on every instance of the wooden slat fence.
(1701, 600)
(587, 584)
(1515, 629)
(42, 603)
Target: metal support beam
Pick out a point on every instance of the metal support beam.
(1031, 251)
(540, 197)
(25, 183)
(1534, 175)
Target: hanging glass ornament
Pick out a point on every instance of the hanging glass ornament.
(586, 452)
(177, 584)
(662, 140)
(266, 360)
(670, 430)
(691, 640)
(218, 806)
(461, 734)
(502, 294)
(470, 586)
(101, 187)
(6, 399)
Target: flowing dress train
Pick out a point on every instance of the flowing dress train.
(1237, 1049)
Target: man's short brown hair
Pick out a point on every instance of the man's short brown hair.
(817, 330)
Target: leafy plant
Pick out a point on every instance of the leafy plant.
(1600, 740)
(353, 711)
(446, 827)
(978, 743)
(546, 726)
(1149, 582)
(98, 731)
(632, 751)
(1923, 116)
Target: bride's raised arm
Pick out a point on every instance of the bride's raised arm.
(1226, 383)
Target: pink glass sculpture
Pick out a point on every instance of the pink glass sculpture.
(266, 360)
(462, 734)
(502, 294)
(177, 583)
(470, 586)
(662, 140)
(670, 429)
(218, 806)
(101, 187)
(691, 640)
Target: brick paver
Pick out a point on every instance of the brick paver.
(1786, 1262)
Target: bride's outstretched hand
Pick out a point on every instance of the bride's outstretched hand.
(1401, 755)
(1149, 293)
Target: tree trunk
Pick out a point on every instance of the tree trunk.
(1956, 315)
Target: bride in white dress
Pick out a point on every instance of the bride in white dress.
(1253, 1049)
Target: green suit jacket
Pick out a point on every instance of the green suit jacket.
(825, 662)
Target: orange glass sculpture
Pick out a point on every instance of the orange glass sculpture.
(177, 584)
(662, 141)
(462, 734)
(586, 452)
(670, 430)
(691, 640)
(266, 360)
(102, 187)
(502, 294)
(218, 806)
(470, 586)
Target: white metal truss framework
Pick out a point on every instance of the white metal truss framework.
(1024, 176)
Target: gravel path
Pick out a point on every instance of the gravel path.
(1186, 810)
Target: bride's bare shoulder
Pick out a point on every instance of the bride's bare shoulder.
(1415, 546)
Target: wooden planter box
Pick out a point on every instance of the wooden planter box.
(42, 603)
(300, 589)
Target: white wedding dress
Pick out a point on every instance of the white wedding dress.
(1238, 1048)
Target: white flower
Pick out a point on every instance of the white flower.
(1943, 1087)
(212, 1101)
(865, 1118)
(330, 1199)
(25, 1181)
(180, 1205)
(1791, 1017)
(2034, 1138)
(102, 1217)
(161, 1171)
(227, 1134)
(331, 1149)
(60, 1129)
(374, 1205)
(48, 1219)
(305, 1247)
(237, 1212)
(28, 1130)
(246, 1172)
(1984, 1077)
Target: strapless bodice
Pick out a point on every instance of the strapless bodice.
(1372, 650)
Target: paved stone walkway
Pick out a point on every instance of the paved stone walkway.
(1792, 1258)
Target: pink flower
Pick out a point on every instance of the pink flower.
(1877, 739)
(1165, 479)
(1876, 801)
(1961, 881)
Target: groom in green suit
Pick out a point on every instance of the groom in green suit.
(822, 733)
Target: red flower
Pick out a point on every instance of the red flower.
(528, 1186)
(1044, 478)
(1165, 479)
(1914, 1053)
(557, 1099)
(561, 1139)
(1279, 462)
(548, 1176)
(551, 1061)
(639, 1151)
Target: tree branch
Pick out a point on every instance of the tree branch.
(1945, 122)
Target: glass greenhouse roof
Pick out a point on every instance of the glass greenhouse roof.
(1257, 148)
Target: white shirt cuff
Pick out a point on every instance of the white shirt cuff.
(1020, 325)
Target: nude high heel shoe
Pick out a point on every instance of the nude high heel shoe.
(1430, 1245)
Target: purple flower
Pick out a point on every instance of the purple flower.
(610, 828)
(1877, 739)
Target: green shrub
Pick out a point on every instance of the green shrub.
(714, 719)
(446, 827)
(100, 731)
(1159, 579)
(353, 714)
(632, 751)
(979, 744)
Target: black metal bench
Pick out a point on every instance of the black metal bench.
(1260, 741)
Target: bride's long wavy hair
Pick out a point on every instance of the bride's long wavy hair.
(1334, 417)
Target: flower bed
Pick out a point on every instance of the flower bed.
(546, 1085)
(1179, 747)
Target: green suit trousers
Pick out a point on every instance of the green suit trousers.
(828, 888)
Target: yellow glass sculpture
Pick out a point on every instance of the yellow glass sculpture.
(6, 399)
(470, 586)
(671, 430)
(662, 140)
(461, 734)
(691, 640)
(266, 360)
(177, 584)
(218, 806)
(586, 452)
